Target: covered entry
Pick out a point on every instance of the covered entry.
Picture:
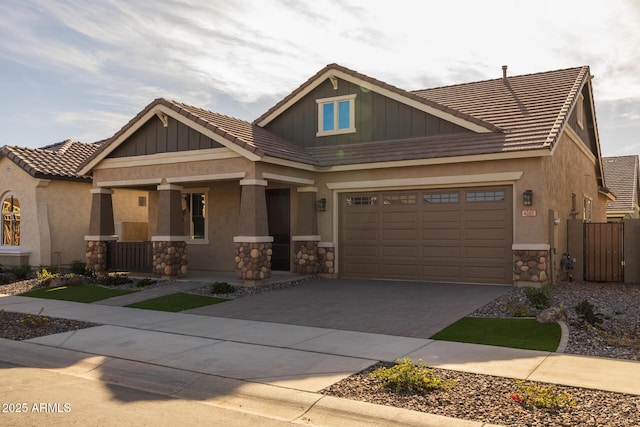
(452, 235)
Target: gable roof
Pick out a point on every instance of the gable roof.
(236, 134)
(510, 116)
(621, 175)
(55, 161)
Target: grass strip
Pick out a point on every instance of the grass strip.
(515, 333)
(83, 293)
(177, 302)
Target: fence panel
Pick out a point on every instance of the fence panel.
(129, 256)
(603, 252)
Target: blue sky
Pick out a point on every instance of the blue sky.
(82, 69)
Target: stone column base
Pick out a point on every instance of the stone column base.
(326, 259)
(530, 267)
(306, 257)
(169, 258)
(253, 261)
(96, 256)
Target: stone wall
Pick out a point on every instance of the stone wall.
(326, 259)
(531, 266)
(306, 257)
(169, 258)
(96, 255)
(253, 261)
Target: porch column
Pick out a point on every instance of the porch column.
(252, 247)
(101, 229)
(169, 246)
(306, 238)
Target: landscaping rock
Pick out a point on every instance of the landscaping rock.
(552, 314)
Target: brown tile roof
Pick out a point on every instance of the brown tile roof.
(621, 176)
(55, 161)
(530, 111)
(240, 132)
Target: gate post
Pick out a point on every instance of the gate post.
(631, 250)
(575, 246)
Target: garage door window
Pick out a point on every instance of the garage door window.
(440, 197)
(361, 201)
(402, 199)
(485, 196)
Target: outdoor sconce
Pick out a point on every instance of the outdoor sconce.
(321, 205)
(527, 198)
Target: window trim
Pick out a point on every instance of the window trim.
(336, 100)
(190, 240)
(15, 221)
(587, 208)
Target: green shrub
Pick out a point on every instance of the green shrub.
(145, 282)
(543, 397)
(115, 280)
(584, 309)
(43, 274)
(517, 309)
(222, 288)
(406, 376)
(53, 269)
(21, 272)
(539, 297)
(79, 268)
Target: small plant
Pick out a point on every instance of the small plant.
(44, 274)
(145, 282)
(21, 271)
(35, 321)
(222, 288)
(53, 269)
(622, 337)
(406, 376)
(584, 309)
(539, 297)
(79, 268)
(115, 280)
(542, 397)
(517, 309)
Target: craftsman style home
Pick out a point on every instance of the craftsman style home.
(350, 176)
(46, 205)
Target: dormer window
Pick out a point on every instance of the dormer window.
(336, 115)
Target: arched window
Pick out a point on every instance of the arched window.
(10, 221)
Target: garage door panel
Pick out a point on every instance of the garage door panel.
(446, 216)
(355, 250)
(448, 273)
(445, 252)
(389, 218)
(361, 269)
(441, 234)
(483, 252)
(486, 274)
(361, 218)
(400, 251)
(410, 234)
(485, 235)
(400, 270)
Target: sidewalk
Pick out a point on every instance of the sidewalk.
(274, 369)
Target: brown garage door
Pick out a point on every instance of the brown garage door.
(453, 235)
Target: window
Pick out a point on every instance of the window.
(361, 201)
(402, 199)
(440, 197)
(586, 208)
(194, 215)
(142, 201)
(485, 196)
(580, 111)
(10, 222)
(336, 115)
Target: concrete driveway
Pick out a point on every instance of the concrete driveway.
(408, 309)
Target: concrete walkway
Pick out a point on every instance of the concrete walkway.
(273, 369)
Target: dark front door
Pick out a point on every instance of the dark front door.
(278, 208)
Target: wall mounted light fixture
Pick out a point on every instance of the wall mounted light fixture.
(527, 198)
(321, 205)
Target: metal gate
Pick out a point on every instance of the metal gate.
(603, 252)
(129, 256)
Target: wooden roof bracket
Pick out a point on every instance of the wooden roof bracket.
(163, 118)
(334, 82)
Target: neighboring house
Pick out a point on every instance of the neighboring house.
(622, 179)
(46, 205)
(353, 177)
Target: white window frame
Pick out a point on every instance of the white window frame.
(207, 214)
(587, 208)
(580, 111)
(335, 100)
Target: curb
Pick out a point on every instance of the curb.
(564, 339)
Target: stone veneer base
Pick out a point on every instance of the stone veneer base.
(96, 255)
(169, 258)
(530, 266)
(253, 261)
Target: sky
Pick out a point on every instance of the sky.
(81, 69)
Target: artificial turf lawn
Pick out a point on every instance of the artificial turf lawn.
(84, 293)
(516, 333)
(177, 302)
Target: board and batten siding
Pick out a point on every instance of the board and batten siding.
(153, 138)
(377, 118)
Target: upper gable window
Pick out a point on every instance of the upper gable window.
(336, 115)
(580, 111)
(10, 222)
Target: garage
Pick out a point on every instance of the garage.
(450, 235)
